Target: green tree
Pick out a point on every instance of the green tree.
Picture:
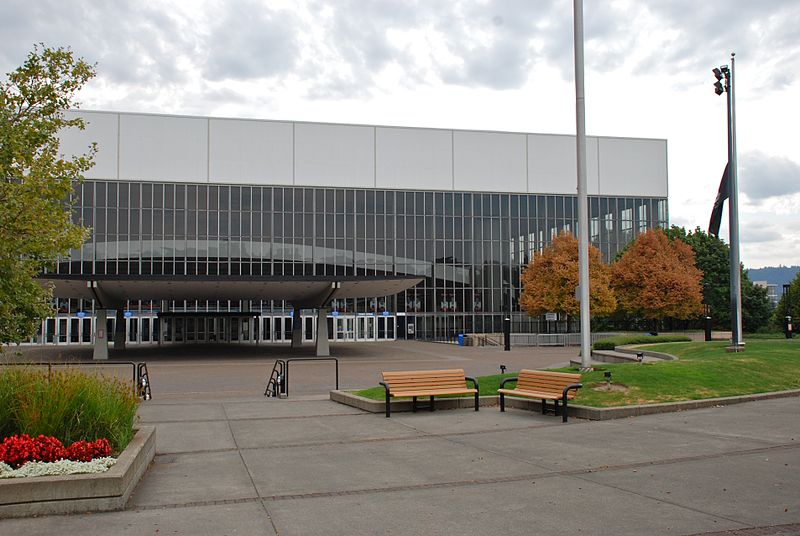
(712, 257)
(756, 307)
(36, 182)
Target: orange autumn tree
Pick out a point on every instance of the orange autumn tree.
(657, 278)
(550, 279)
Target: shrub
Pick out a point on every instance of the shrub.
(612, 342)
(68, 405)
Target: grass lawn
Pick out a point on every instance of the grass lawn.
(703, 370)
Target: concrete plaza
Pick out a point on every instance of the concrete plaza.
(230, 461)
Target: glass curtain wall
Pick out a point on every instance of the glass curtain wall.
(469, 247)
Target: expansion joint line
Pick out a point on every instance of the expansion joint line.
(249, 474)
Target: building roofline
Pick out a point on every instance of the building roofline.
(404, 127)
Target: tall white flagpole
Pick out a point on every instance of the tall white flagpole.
(583, 205)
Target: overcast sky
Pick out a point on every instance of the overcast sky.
(494, 65)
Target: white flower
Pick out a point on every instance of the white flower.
(61, 467)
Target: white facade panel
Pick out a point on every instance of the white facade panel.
(489, 162)
(196, 149)
(633, 167)
(250, 152)
(334, 155)
(159, 148)
(418, 159)
(553, 168)
(100, 128)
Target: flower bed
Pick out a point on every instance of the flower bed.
(24, 456)
(50, 422)
(69, 405)
(63, 494)
(18, 450)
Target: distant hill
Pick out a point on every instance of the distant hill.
(778, 275)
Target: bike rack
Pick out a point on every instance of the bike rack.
(143, 381)
(278, 382)
(139, 376)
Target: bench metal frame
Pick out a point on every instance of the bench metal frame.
(430, 404)
(564, 398)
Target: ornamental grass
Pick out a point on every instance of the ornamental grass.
(67, 404)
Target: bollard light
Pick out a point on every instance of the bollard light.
(607, 375)
(502, 369)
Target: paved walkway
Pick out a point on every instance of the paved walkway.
(304, 466)
(232, 371)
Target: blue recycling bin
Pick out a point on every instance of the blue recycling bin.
(461, 339)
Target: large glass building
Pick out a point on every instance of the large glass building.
(460, 213)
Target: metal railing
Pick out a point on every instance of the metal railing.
(278, 381)
(553, 339)
(143, 381)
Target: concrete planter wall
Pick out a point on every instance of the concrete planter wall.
(33, 496)
(581, 412)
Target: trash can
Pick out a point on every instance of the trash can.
(461, 339)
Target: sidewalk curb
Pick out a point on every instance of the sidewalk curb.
(581, 412)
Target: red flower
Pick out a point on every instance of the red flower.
(18, 450)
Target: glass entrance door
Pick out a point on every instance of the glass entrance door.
(366, 328)
(345, 328)
(386, 325)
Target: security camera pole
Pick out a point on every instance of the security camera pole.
(583, 204)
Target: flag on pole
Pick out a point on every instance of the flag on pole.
(716, 212)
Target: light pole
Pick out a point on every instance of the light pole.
(787, 318)
(727, 74)
(707, 311)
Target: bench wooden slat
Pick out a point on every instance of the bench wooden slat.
(549, 395)
(434, 392)
(430, 386)
(424, 372)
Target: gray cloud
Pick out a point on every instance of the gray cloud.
(759, 231)
(504, 59)
(251, 41)
(131, 42)
(762, 176)
(762, 33)
(494, 44)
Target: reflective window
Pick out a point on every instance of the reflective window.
(469, 247)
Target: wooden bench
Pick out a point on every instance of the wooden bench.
(545, 385)
(416, 383)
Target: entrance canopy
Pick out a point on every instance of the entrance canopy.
(301, 291)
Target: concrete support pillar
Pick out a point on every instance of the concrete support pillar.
(119, 330)
(100, 336)
(323, 347)
(297, 328)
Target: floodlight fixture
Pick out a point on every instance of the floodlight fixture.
(717, 73)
